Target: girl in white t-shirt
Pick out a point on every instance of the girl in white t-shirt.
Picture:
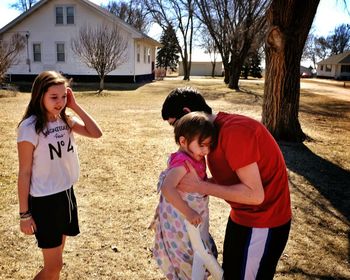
(49, 166)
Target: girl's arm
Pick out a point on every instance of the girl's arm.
(171, 194)
(89, 127)
(249, 191)
(25, 159)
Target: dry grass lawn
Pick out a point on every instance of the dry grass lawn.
(117, 188)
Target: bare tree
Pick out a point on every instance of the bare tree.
(309, 51)
(9, 51)
(322, 48)
(289, 24)
(234, 26)
(132, 12)
(102, 48)
(178, 14)
(339, 41)
(23, 5)
(319, 48)
(209, 46)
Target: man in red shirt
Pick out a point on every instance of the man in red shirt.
(249, 172)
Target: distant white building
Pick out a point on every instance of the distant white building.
(49, 27)
(201, 64)
(336, 66)
(202, 68)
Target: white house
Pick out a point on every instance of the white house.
(49, 27)
(336, 66)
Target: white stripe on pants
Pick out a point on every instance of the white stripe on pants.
(255, 252)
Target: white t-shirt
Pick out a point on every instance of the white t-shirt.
(55, 165)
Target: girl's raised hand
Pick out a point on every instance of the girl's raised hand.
(71, 102)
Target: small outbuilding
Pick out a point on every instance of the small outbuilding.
(202, 68)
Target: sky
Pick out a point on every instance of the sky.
(330, 14)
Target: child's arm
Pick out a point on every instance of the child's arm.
(25, 159)
(89, 127)
(169, 191)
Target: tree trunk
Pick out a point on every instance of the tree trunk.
(226, 75)
(102, 84)
(235, 72)
(234, 78)
(289, 24)
(185, 68)
(213, 69)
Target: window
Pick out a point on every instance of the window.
(321, 67)
(70, 15)
(60, 52)
(149, 55)
(138, 53)
(59, 15)
(345, 68)
(328, 68)
(144, 54)
(65, 15)
(36, 52)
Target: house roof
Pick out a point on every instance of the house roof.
(105, 13)
(342, 58)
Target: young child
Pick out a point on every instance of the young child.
(195, 135)
(49, 166)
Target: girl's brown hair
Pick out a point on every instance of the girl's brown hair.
(36, 107)
(193, 125)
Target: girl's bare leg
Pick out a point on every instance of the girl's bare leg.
(53, 263)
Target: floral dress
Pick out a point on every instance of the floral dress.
(172, 249)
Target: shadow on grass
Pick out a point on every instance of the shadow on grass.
(88, 87)
(243, 96)
(295, 272)
(327, 106)
(329, 179)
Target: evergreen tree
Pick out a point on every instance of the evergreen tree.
(255, 69)
(167, 56)
(251, 66)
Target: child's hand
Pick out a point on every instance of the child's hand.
(71, 102)
(194, 218)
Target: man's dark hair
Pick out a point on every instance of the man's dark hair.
(180, 98)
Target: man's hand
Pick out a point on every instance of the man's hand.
(190, 182)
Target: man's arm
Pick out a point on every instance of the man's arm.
(249, 191)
